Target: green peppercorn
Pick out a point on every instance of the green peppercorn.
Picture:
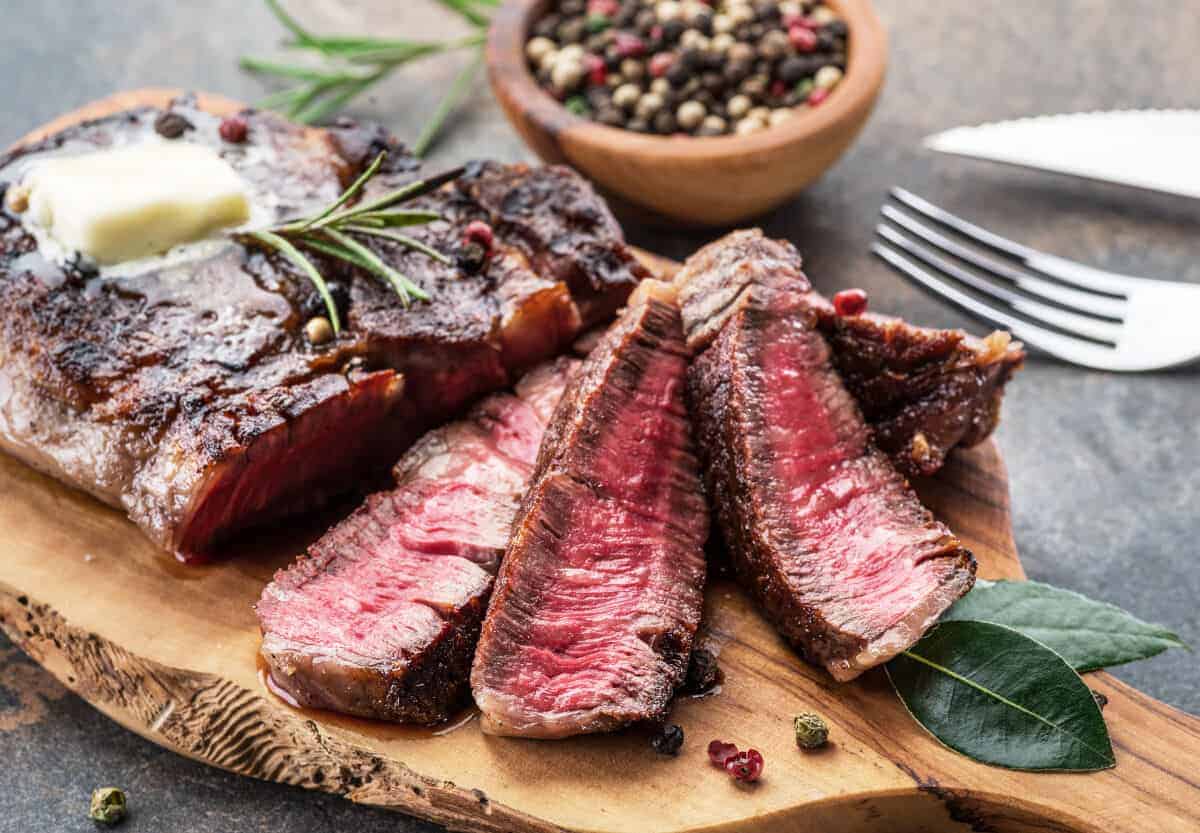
(578, 105)
(108, 805)
(598, 22)
(812, 731)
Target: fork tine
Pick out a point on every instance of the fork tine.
(1060, 268)
(1079, 300)
(1068, 321)
(1062, 346)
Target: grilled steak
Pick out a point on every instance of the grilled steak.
(822, 530)
(188, 395)
(599, 594)
(923, 391)
(380, 618)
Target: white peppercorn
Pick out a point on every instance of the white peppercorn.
(648, 105)
(627, 95)
(690, 114)
(827, 77)
(738, 106)
(538, 48)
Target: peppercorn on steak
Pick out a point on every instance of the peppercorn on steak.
(157, 354)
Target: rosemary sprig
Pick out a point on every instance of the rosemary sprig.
(333, 232)
(352, 65)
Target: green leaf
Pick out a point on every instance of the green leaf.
(1086, 633)
(404, 287)
(467, 9)
(403, 239)
(995, 695)
(297, 257)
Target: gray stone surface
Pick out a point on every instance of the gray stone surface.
(1103, 467)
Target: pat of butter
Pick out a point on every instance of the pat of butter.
(136, 201)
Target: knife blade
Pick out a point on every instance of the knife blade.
(1157, 150)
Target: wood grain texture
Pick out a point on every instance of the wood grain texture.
(711, 181)
(169, 652)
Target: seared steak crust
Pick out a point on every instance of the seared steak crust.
(923, 391)
(822, 530)
(599, 594)
(380, 618)
(189, 396)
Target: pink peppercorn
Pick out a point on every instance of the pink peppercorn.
(778, 89)
(608, 8)
(805, 40)
(479, 233)
(597, 70)
(661, 64)
(850, 302)
(817, 96)
(745, 766)
(234, 129)
(629, 45)
(719, 752)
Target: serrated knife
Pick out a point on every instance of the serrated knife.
(1154, 149)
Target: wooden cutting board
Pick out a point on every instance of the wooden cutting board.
(170, 652)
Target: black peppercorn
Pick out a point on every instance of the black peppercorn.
(313, 305)
(572, 7)
(668, 740)
(638, 125)
(792, 69)
(171, 125)
(665, 124)
(678, 74)
(714, 82)
(470, 257)
(547, 26)
(692, 59)
(737, 71)
(645, 21)
(837, 28)
(672, 30)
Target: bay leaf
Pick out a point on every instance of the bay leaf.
(994, 694)
(1086, 633)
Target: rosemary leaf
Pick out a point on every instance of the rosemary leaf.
(451, 100)
(403, 239)
(320, 110)
(289, 70)
(386, 219)
(405, 288)
(467, 9)
(289, 23)
(346, 196)
(408, 192)
(293, 254)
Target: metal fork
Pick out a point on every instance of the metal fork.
(1074, 312)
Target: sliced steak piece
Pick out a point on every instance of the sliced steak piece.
(823, 531)
(599, 594)
(923, 391)
(188, 395)
(379, 619)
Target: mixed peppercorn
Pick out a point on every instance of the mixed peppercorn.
(697, 67)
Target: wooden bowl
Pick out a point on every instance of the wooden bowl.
(711, 181)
